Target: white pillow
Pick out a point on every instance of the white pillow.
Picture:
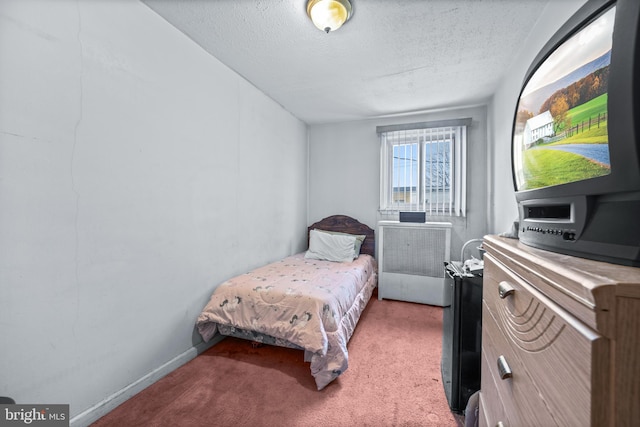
(359, 240)
(331, 247)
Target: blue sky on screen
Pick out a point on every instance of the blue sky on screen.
(590, 43)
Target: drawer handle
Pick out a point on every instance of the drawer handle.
(505, 289)
(504, 368)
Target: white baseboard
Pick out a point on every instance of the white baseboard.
(107, 405)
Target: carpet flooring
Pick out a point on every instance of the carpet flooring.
(393, 380)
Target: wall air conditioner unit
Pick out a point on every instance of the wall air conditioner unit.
(411, 259)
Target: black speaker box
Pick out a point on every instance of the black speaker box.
(413, 217)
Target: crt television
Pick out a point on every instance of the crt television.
(575, 148)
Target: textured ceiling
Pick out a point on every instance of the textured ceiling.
(392, 57)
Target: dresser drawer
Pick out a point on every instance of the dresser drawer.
(492, 410)
(555, 351)
(518, 393)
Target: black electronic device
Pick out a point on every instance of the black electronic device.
(576, 131)
(413, 217)
(461, 336)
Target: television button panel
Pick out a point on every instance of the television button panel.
(566, 234)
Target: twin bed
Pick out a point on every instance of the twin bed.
(310, 301)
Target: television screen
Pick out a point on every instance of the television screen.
(560, 129)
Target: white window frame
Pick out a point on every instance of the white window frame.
(434, 201)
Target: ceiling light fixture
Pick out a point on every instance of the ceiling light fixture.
(329, 15)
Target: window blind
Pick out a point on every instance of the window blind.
(423, 167)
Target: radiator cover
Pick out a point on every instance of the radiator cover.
(411, 259)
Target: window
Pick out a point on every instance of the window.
(423, 167)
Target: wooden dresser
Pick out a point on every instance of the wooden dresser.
(560, 339)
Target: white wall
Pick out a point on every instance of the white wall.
(136, 173)
(503, 209)
(344, 171)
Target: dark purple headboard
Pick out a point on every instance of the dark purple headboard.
(346, 224)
